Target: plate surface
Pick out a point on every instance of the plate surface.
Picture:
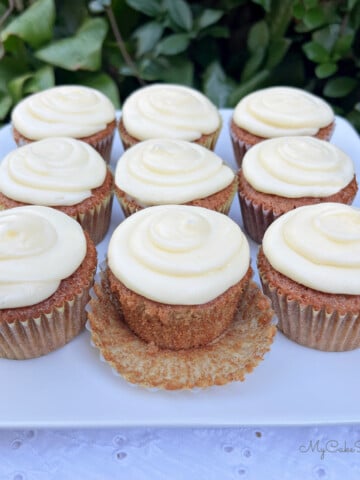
(294, 385)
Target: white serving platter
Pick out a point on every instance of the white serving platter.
(294, 385)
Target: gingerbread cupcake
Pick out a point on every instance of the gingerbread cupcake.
(277, 112)
(177, 277)
(309, 266)
(64, 173)
(66, 111)
(47, 267)
(167, 171)
(169, 111)
(281, 174)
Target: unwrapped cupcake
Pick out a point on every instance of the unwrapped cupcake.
(63, 173)
(281, 174)
(277, 112)
(167, 171)
(177, 307)
(47, 266)
(169, 111)
(309, 266)
(66, 111)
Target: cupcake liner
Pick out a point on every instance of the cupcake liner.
(256, 219)
(315, 328)
(239, 147)
(229, 358)
(96, 221)
(24, 339)
(104, 146)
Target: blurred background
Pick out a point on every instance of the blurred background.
(224, 48)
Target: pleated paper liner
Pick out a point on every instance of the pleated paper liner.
(227, 359)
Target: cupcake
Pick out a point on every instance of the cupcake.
(281, 174)
(47, 266)
(277, 112)
(309, 266)
(167, 171)
(177, 277)
(169, 111)
(67, 111)
(64, 173)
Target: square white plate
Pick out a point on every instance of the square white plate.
(294, 385)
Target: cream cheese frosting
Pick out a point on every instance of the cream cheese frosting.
(65, 111)
(39, 247)
(162, 171)
(317, 246)
(52, 172)
(179, 255)
(169, 111)
(279, 111)
(295, 167)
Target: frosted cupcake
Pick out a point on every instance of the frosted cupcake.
(64, 173)
(161, 171)
(309, 265)
(66, 111)
(179, 280)
(277, 112)
(47, 266)
(169, 111)
(281, 174)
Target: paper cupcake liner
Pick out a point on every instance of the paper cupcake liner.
(315, 328)
(104, 146)
(229, 358)
(239, 147)
(96, 221)
(34, 337)
(256, 219)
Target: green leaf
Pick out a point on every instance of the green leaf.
(216, 31)
(208, 17)
(180, 70)
(216, 85)
(173, 44)
(16, 86)
(258, 36)
(351, 4)
(180, 13)
(40, 80)
(9, 69)
(257, 81)
(299, 10)
(339, 86)
(5, 104)
(325, 70)
(34, 25)
(253, 63)
(277, 51)
(279, 17)
(104, 83)
(147, 37)
(327, 36)
(316, 52)
(343, 45)
(98, 6)
(152, 8)
(79, 52)
(314, 17)
(266, 4)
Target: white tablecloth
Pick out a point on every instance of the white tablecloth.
(269, 453)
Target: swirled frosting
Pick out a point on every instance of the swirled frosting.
(317, 246)
(280, 111)
(65, 111)
(53, 171)
(169, 111)
(296, 167)
(178, 254)
(39, 246)
(161, 171)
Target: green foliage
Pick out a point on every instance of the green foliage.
(225, 48)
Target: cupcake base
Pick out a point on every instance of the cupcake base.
(35, 330)
(219, 201)
(242, 140)
(101, 141)
(207, 141)
(323, 321)
(229, 358)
